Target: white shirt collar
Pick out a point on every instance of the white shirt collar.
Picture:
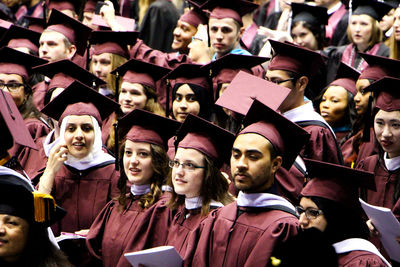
(334, 8)
(391, 164)
(139, 190)
(262, 200)
(192, 203)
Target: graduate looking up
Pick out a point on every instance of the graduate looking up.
(245, 232)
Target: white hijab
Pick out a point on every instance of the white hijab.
(96, 155)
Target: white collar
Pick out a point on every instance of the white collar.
(334, 8)
(139, 190)
(192, 203)
(391, 164)
(47, 144)
(354, 244)
(305, 112)
(167, 188)
(262, 200)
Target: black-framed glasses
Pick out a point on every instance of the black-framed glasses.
(310, 213)
(13, 87)
(280, 81)
(185, 165)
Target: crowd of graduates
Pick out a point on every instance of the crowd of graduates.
(242, 133)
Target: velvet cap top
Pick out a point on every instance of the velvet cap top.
(378, 67)
(387, 93)
(17, 36)
(346, 77)
(372, 8)
(314, 15)
(234, 9)
(112, 42)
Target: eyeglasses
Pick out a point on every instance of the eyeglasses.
(13, 87)
(279, 81)
(310, 213)
(186, 165)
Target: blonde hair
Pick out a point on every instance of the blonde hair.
(376, 32)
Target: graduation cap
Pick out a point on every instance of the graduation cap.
(294, 58)
(225, 68)
(195, 16)
(234, 9)
(207, 138)
(4, 26)
(73, 5)
(137, 71)
(36, 24)
(112, 42)
(64, 72)
(17, 36)
(336, 182)
(190, 74)
(79, 99)
(314, 15)
(374, 9)
(12, 124)
(387, 93)
(379, 67)
(76, 32)
(285, 136)
(346, 77)
(245, 88)
(18, 198)
(16, 62)
(145, 126)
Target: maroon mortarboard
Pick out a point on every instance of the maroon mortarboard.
(379, 67)
(16, 62)
(17, 37)
(90, 6)
(137, 71)
(314, 15)
(285, 136)
(112, 42)
(346, 77)
(4, 26)
(245, 88)
(195, 16)
(73, 5)
(206, 137)
(79, 99)
(64, 72)
(14, 122)
(145, 126)
(76, 32)
(234, 9)
(36, 24)
(190, 74)
(294, 58)
(225, 68)
(336, 182)
(387, 93)
(374, 9)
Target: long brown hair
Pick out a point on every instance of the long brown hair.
(214, 187)
(159, 160)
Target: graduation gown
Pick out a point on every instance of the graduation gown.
(39, 93)
(83, 194)
(238, 236)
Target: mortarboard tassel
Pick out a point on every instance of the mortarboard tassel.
(42, 206)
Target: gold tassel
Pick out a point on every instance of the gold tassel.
(275, 261)
(42, 205)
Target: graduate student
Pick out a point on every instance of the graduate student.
(144, 165)
(79, 174)
(245, 232)
(330, 196)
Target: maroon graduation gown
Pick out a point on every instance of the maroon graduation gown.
(109, 234)
(83, 194)
(360, 258)
(226, 239)
(39, 92)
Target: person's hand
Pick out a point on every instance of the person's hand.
(374, 232)
(107, 12)
(281, 36)
(58, 155)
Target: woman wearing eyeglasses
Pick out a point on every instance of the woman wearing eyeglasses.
(144, 165)
(329, 202)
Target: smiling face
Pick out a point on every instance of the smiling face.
(138, 164)
(387, 131)
(224, 35)
(79, 135)
(252, 168)
(185, 103)
(13, 237)
(334, 104)
(302, 36)
(188, 182)
(183, 34)
(132, 96)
